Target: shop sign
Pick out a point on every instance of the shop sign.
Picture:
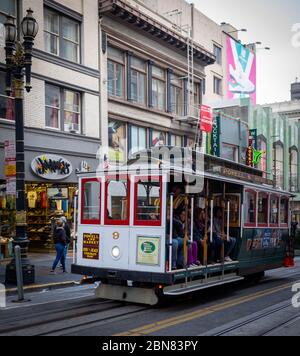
(90, 247)
(253, 138)
(215, 137)
(206, 119)
(148, 252)
(51, 167)
(9, 151)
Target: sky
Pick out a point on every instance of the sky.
(270, 22)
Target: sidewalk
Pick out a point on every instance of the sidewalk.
(43, 278)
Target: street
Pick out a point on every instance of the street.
(242, 309)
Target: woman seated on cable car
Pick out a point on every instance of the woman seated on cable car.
(177, 243)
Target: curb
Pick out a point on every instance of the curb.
(41, 287)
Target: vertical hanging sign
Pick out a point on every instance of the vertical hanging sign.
(215, 137)
(206, 119)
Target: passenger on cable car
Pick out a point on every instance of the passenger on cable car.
(193, 246)
(217, 235)
(199, 232)
(177, 243)
(179, 200)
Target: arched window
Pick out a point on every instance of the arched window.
(279, 165)
(262, 146)
(293, 170)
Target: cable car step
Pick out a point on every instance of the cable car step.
(195, 286)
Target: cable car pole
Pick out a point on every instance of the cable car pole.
(186, 235)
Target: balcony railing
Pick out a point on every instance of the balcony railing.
(7, 108)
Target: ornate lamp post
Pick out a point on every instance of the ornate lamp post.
(18, 64)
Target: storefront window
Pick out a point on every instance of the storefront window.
(230, 152)
(7, 221)
(7, 104)
(158, 139)
(138, 81)
(263, 208)
(148, 202)
(116, 72)
(279, 166)
(117, 142)
(117, 202)
(284, 211)
(250, 208)
(91, 202)
(138, 139)
(293, 170)
(176, 95)
(158, 88)
(274, 210)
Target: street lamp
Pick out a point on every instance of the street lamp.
(18, 64)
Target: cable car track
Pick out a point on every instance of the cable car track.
(261, 316)
(67, 315)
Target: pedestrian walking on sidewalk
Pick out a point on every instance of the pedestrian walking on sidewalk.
(68, 237)
(60, 241)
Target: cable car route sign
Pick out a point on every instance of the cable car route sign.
(90, 247)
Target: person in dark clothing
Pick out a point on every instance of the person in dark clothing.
(68, 237)
(60, 241)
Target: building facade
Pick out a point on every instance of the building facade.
(62, 120)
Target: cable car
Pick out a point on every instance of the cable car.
(129, 218)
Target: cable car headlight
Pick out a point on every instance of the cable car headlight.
(116, 253)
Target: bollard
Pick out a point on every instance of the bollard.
(19, 272)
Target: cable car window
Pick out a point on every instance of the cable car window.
(117, 201)
(148, 201)
(90, 213)
(284, 211)
(263, 208)
(250, 207)
(274, 211)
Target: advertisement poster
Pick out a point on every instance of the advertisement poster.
(265, 239)
(241, 71)
(148, 252)
(91, 246)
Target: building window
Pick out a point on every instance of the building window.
(230, 152)
(158, 139)
(117, 142)
(61, 36)
(7, 104)
(7, 7)
(293, 170)
(71, 111)
(138, 81)
(116, 72)
(176, 95)
(158, 88)
(218, 54)
(262, 146)
(217, 86)
(176, 141)
(63, 109)
(138, 139)
(279, 165)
